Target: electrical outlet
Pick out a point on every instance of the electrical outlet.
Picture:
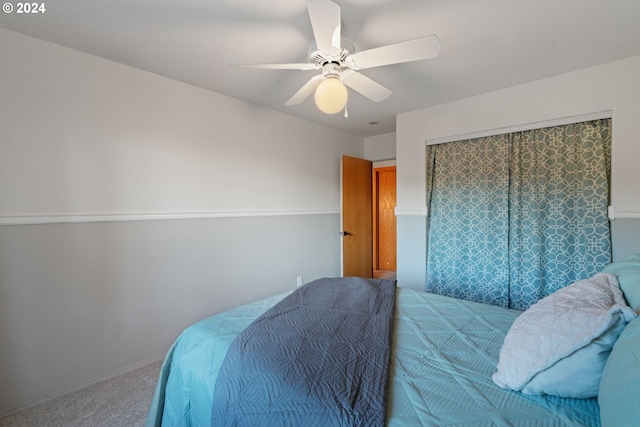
(300, 281)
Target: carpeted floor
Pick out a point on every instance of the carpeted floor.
(118, 402)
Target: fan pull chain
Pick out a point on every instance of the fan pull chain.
(346, 113)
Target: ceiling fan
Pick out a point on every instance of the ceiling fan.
(340, 64)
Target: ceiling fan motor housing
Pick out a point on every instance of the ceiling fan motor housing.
(331, 69)
(321, 59)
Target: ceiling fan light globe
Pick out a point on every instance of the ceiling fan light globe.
(331, 95)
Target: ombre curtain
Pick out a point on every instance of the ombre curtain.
(515, 217)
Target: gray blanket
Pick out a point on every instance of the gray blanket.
(320, 357)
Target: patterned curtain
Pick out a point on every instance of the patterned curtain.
(559, 197)
(515, 217)
(468, 200)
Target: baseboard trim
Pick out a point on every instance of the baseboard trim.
(17, 409)
(53, 218)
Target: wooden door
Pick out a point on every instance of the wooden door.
(384, 218)
(357, 238)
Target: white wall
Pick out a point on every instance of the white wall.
(87, 135)
(86, 144)
(380, 147)
(613, 87)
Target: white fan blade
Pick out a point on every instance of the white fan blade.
(365, 86)
(305, 66)
(305, 90)
(411, 50)
(325, 21)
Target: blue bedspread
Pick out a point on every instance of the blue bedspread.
(320, 357)
(444, 352)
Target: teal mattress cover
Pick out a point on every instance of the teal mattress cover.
(444, 352)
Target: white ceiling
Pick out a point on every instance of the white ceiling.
(486, 45)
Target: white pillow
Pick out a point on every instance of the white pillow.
(560, 345)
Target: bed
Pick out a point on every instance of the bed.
(444, 353)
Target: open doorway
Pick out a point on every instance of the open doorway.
(368, 221)
(384, 220)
